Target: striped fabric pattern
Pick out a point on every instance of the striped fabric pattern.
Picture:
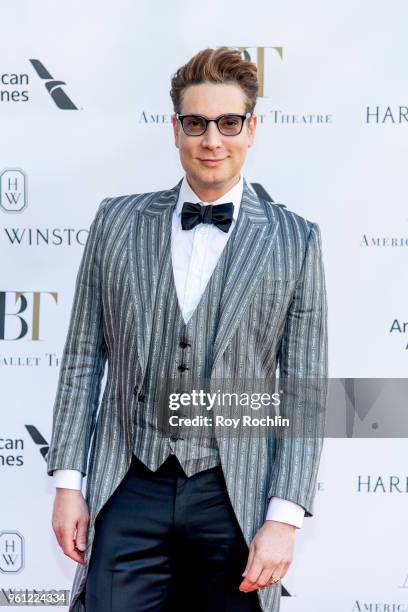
(271, 313)
(196, 449)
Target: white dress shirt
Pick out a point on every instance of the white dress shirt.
(195, 254)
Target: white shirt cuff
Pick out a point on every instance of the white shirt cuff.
(285, 511)
(68, 479)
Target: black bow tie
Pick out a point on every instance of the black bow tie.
(219, 214)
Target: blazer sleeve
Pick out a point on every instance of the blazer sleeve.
(303, 371)
(82, 363)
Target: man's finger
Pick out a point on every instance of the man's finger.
(68, 546)
(250, 581)
(266, 574)
(249, 561)
(81, 535)
(280, 570)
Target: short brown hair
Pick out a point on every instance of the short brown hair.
(221, 65)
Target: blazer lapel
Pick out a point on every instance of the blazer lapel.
(253, 238)
(149, 234)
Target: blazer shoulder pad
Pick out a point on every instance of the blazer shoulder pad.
(290, 217)
(130, 201)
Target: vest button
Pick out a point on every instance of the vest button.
(135, 389)
(141, 397)
(182, 367)
(184, 344)
(175, 438)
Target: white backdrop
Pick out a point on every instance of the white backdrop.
(331, 144)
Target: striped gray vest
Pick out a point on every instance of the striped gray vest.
(176, 346)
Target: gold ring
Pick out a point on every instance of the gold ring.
(272, 579)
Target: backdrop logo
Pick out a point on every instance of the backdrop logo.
(382, 484)
(39, 440)
(404, 585)
(259, 56)
(383, 606)
(45, 236)
(13, 190)
(384, 241)
(18, 322)
(53, 87)
(9, 447)
(400, 327)
(11, 552)
(387, 114)
(267, 60)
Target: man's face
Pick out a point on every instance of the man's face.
(212, 100)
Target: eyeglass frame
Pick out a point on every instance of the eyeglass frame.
(181, 118)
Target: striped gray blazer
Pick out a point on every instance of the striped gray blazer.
(272, 314)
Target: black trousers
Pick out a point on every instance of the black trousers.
(166, 542)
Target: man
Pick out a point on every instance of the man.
(170, 287)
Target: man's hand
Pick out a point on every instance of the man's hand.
(70, 519)
(270, 554)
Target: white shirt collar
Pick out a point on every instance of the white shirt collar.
(234, 195)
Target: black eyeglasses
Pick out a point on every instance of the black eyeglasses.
(229, 124)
